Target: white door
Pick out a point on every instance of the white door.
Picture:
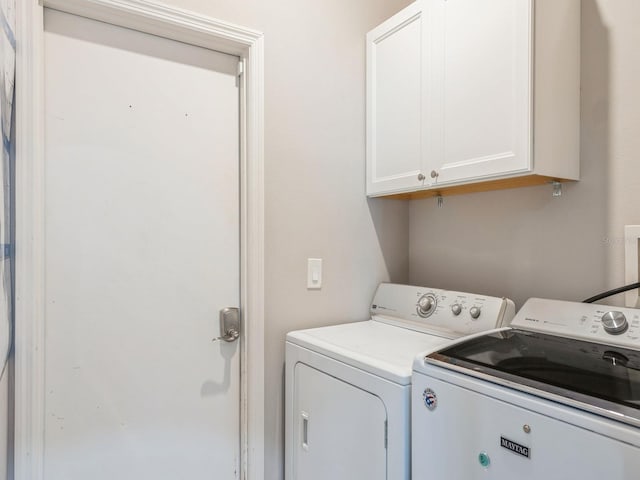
(479, 120)
(142, 251)
(394, 96)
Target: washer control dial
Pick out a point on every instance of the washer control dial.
(456, 309)
(474, 312)
(614, 322)
(426, 305)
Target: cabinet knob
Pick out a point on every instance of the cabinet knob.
(421, 177)
(434, 174)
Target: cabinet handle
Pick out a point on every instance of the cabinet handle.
(421, 177)
(434, 174)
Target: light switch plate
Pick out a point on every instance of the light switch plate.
(631, 265)
(314, 273)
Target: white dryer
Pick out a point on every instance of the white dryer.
(348, 387)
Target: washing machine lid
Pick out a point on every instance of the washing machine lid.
(600, 378)
(375, 347)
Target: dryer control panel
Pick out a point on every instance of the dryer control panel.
(434, 310)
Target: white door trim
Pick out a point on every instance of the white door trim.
(176, 24)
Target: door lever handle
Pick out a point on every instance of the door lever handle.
(229, 324)
(229, 336)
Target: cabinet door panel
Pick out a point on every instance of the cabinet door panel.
(480, 90)
(394, 103)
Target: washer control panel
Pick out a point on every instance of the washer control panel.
(432, 309)
(586, 321)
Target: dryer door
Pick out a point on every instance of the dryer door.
(340, 431)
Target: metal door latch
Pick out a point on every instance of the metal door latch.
(229, 324)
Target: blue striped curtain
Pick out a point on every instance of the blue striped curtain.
(7, 82)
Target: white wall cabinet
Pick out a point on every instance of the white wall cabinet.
(466, 95)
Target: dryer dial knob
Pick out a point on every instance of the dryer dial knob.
(456, 309)
(474, 312)
(614, 323)
(426, 305)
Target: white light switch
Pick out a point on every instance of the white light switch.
(631, 263)
(314, 273)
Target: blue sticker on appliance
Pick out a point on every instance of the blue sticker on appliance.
(430, 399)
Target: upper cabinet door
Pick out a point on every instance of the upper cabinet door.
(478, 90)
(394, 116)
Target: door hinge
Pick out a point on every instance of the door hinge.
(240, 67)
(386, 433)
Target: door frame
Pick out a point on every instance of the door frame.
(176, 24)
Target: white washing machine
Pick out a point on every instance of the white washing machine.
(348, 386)
(555, 396)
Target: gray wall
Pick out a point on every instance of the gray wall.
(315, 203)
(522, 243)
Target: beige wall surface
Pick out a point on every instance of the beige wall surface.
(523, 243)
(315, 203)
